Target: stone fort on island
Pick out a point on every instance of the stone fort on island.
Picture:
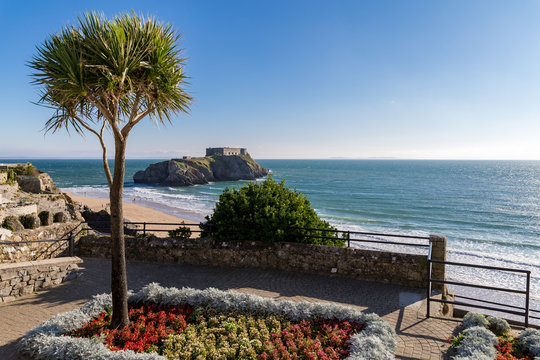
(226, 151)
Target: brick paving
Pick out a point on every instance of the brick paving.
(418, 337)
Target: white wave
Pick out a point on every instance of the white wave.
(523, 261)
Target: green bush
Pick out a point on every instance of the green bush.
(268, 211)
(60, 217)
(6, 224)
(182, 232)
(45, 217)
(27, 169)
(11, 176)
(29, 221)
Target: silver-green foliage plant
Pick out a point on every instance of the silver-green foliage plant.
(480, 337)
(477, 342)
(497, 325)
(474, 319)
(377, 340)
(530, 338)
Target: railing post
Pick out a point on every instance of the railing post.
(438, 252)
(71, 243)
(348, 239)
(144, 228)
(527, 299)
(428, 295)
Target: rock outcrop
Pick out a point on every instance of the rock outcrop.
(100, 221)
(27, 192)
(38, 184)
(194, 171)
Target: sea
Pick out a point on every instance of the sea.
(489, 211)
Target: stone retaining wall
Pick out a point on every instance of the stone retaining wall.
(26, 277)
(19, 210)
(385, 267)
(25, 251)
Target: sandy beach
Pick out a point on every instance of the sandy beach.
(135, 213)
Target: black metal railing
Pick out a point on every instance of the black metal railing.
(56, 245)
(345, 235)
(68, 238)
(502, 307)
(362, 236)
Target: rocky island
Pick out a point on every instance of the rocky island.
(219, 164)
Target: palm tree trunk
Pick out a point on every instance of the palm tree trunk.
(118, 276)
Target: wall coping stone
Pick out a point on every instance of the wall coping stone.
(40, 263)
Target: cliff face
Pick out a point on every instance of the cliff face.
(184, 172)
(29, 192)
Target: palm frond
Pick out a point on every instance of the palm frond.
(113, 62)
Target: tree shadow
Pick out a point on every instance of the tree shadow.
(94, 278)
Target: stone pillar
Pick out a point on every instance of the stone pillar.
(438, 252)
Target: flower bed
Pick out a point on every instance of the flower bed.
(482, 338)
(228, 324)
(150, 325)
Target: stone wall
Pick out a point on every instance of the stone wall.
(26, 277)
(3, 177)
(42, 183)
(25, 251)
(6, 166)
(385, 267)
(28, 183)
(16, 210)
(21, 210)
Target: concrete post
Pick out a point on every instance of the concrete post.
(438, 252)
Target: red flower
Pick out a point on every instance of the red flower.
(322, 339)
(508, 349)
(150, 325)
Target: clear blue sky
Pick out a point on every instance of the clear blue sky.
(312, 79)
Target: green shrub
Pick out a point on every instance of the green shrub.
(182, 232)
(268, 211)
(29, 221)
(12, 223)
(60, 217)
(27, 169)
(11, 177)
(7, 225)
(45, 217)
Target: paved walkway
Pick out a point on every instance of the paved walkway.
(419, 338)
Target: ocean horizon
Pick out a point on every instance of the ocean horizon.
(489, 210)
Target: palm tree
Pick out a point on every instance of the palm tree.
(107, 75)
